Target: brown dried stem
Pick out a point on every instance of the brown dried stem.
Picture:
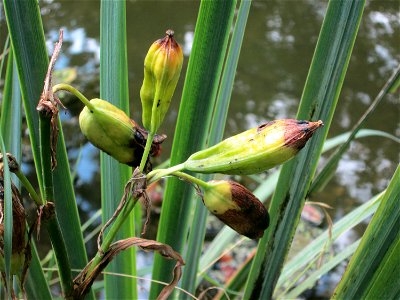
(47, 106)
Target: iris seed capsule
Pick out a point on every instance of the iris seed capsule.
(254, 150)
(162, 68)
(111, 130)
(237, 207)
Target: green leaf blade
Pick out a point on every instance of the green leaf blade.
(36, 285)
(198, 229)
(8, 217)
(380, 237)
(114, 88)
(204, 70)
(32, 61)
(318, 101)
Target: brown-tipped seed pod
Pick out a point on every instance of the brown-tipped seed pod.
(19, 237)
(237, 207)
(162, 67)
(254, 150)
(111, 130)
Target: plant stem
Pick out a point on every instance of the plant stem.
(60, 251)
(50, 218)
(26, 183)
(159, 173)
(192, 179)
(72, 90)
(146, 152)
(123, 214)
(45, 157)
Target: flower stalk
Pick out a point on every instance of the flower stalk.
(74, 91)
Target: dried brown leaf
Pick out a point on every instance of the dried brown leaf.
(48, 102)
(146, 202)
(84, 281)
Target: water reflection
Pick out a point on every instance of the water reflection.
(278, 46)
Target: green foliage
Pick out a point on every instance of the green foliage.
(114, 88)
(368, 272)
(31, 71)
(204, 70)
(318, 102)
(202, 115)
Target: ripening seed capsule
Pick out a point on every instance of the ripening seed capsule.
(111, 130)
(254, 150)
(162, 67)
(237, 207)
(19, 238)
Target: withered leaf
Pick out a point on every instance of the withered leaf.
(84, 281)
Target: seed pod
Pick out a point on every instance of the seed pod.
(162, 67)
(254, 150)
(237, 207)
(19, 238)
(111, 130)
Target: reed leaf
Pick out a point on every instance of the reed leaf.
(7, 143)
(114, 88)
(325, 268)
(4, 54)
(330, 167)
(384, 284)
(36, 285)
(320, 95)
(8, 217)
(198, 228)
(32, 61)
(309, 253)
(363, 276)
(265, 190)
(204, 70)
(11, 110)
(312, 251)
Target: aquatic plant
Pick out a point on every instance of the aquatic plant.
(198, 153)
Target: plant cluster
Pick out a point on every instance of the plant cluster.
(111, 130)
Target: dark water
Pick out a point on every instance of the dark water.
(279, 42)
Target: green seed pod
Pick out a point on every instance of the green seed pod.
(111, 130)
(254, 150)
(162, 67)
(19, 238)
(237, 207)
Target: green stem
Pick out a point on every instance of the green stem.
(45, 157)
(146, 152)
(159, 173)
(72, 90)
(50, 221)
(192, 179)
(124, 213)
(111, 233)
(131, 204)
(60, 251)
(26, 183)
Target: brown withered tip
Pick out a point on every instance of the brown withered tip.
(168, 41)
(298, 132)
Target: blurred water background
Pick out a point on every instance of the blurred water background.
(277, 49)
